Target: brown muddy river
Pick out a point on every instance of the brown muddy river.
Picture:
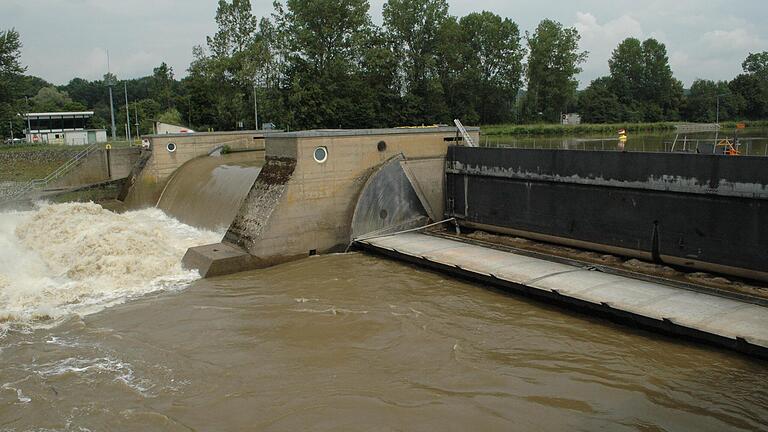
(357, 342)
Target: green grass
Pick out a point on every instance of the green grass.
(61, 147)
(39, 147)
(595, 129)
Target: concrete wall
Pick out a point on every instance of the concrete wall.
(167, 128)
(94, 169)
(298, 205)
(76, 138)
(149, 183)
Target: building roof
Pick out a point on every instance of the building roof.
(66, 114)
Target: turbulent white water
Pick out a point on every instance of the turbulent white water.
(79, 258)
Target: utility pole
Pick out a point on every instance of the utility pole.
(29, 122)
(111, 104)
(10, 123)
(136, 119)
(255, 107)
(127, 112)
(717, 116)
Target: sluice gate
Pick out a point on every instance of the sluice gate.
(319, 191)
(704, 212)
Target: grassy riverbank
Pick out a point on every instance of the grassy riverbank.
(26, 162)
(596, 129)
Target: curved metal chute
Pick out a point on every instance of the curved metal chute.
(388, 203)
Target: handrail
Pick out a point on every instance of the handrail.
(63, 169)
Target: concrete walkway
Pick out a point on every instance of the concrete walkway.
(722, 321)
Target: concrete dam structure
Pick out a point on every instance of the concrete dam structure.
(169, 152)
(304, 199)
(210, 182)
(323, 191)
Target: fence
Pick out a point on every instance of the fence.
(19, 191)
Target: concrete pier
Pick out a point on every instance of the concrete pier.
(704, 317)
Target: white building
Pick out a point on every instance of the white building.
(67, 128)
(167, 128)
(570, 119)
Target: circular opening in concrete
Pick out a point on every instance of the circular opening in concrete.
(383, 214)
(320, 154)
(381, 146)
(171, 147)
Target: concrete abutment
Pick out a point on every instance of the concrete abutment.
(304, 199)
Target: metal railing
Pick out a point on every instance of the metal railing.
(748, 146)
(28, 188)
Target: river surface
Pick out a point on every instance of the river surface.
(753, 141)
(334, 342)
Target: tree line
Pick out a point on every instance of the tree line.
(325, 64)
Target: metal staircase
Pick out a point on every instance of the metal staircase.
(29, 189)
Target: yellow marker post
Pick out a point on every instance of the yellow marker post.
(108, 147)
(622, 139)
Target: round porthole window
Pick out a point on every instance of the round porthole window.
(321, 154)
(171, 147)
(381, 146)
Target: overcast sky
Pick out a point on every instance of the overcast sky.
(68, 38)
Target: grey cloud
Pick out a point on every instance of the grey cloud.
(68, 38)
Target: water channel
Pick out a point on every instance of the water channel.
(114, 335)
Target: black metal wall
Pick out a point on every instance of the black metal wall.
(712, 209)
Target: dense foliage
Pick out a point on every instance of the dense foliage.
(642, 88)
(325, 64)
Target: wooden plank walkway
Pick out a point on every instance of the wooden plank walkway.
(718, 320)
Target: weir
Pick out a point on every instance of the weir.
(169, 152)
(304, 200)
(322, 191)
(210, 182)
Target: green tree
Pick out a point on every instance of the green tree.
(326, 40)
(598, 103)
(627, 71)
(171, 116)
(10, 73)
(237, 28)
(703, 99)
(752, 86)
(162, 85)
(642, 80)
(379, 81)
(491, 56)
(757, 64)
(50, 99)
(414, 27)
(553, 62)
(219, 89)
(754, 91)
(10, 53)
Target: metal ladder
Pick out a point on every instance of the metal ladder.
(467, 139)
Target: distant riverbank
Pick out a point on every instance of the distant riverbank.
(544, 129)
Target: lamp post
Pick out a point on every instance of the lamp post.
(127, 113)
(717, 116)
(28, 133)
(255, 107)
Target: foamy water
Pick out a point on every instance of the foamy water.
(78, 258)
